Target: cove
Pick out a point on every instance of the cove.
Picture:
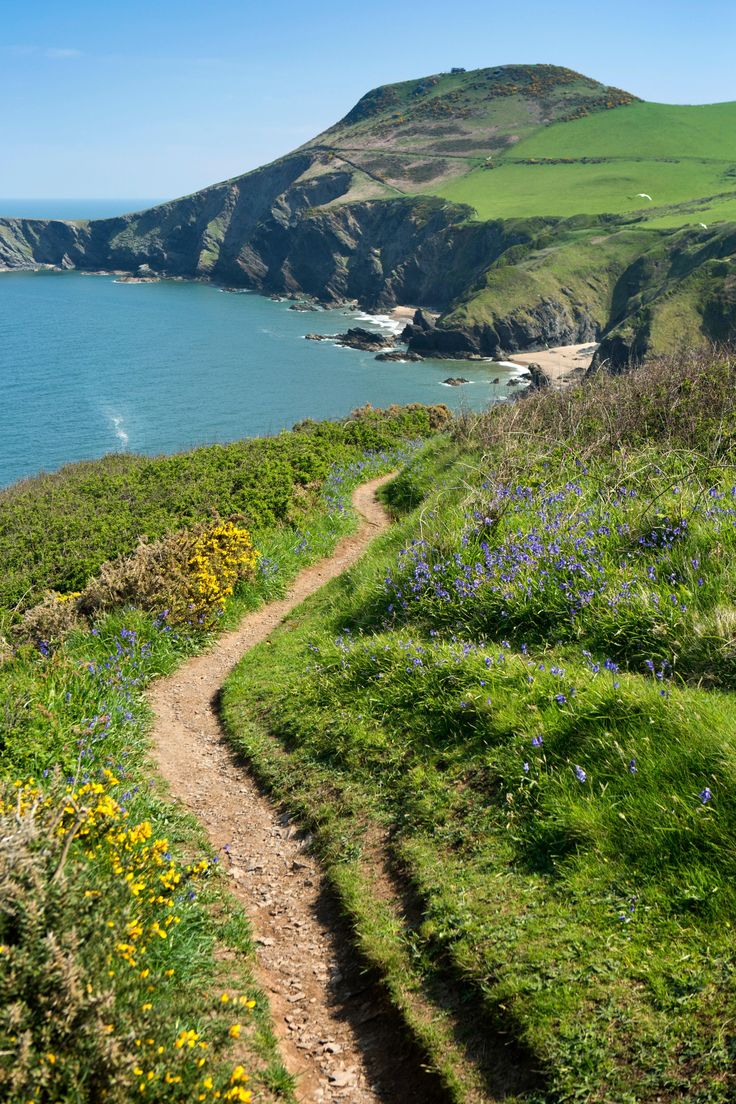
(90, 366)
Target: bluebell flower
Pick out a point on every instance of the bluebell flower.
(632, 766)
(537, 741)
(705, 795)
(580, 774)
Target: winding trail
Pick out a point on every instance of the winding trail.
(336, 1036)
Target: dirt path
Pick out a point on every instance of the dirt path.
(335, 1035)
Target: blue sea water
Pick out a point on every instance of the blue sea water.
(72, 208)
(90, 366)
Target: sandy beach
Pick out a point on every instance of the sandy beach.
(562, 364)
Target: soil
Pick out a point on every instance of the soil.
(337, 1034)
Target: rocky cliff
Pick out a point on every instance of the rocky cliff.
(354, 216)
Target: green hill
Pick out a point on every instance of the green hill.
(528, 204)
(598, 163)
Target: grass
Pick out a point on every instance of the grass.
(610, 186)
(598, 163)
(648, 130)
(522, 701)
(588, 263)
(71, 713)
(69, 718)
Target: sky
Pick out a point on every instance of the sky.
(159, 98)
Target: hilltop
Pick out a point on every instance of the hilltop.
(527, 204)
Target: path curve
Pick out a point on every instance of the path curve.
(324, 1013)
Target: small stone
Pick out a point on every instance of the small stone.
(341, 1078)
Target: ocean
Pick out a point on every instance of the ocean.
(72, 208)
(90, 366)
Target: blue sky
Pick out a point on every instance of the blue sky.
(158, 98)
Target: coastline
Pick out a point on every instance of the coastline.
(563, 365)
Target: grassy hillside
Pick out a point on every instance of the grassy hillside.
(600, 162)
(511, 730)
(607, 186)
(474, 138)
(126, 968)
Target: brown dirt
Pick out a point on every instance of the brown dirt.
(336, 1034)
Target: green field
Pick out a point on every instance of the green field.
(673, 153)
(611, 187)
(648, 130)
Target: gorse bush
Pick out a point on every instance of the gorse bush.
(89, 904)
(186, 578)
(51, 619)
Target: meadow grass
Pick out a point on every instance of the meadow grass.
(648, 130)
(525, 692)
(513, 190)
(598, 163)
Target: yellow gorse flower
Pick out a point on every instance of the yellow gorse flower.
(222, 555)
(89, 826)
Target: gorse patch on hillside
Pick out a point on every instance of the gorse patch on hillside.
(57, 530)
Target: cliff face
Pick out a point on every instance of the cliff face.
(277, 231)
(350, 217)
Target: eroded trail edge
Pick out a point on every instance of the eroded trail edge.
(324, 1015)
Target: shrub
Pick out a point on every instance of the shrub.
(51, 620)
(687, 400)
(77, 1022)
(185, 577)
(57, 530)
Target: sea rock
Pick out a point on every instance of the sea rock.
(303, 307)
(420, 324)
(455, 381)
(539, 379)
(400, 355)
(358, 338)
(366, 340)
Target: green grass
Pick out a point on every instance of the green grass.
(68, 717)
(647, 130)
(611, 187)
(588, 263)
(673, 153)
(79, 708)
(56, 530)
(532, 743)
